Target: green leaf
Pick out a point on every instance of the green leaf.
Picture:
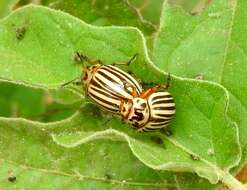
(29, 153)
(187, 181)
(110, 12)
(37, 104)
(15, 100)
(197, 144)
(193, 7)
(5, 7)
(150, 10)
(211, 45)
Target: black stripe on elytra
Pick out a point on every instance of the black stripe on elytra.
(146, 129)
(163, 101)
(164, 115)
(106, 76)
(105, 86)
(104, 93)
(158, 120)
(165, 108)
(107, 108)
(162, 96)
(101, 85)
(104, 101)
(122, 75)
(159, 124)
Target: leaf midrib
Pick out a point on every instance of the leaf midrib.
(77, 176)
(228, 41)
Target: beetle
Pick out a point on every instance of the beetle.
(108, 86)
(151, 110)
(119, 93)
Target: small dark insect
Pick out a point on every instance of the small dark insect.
(156, 140)
(20, 33)
(78, 57)
(166, 131)
(194, 157)
(192, 13)
(11, 177)
(199, 77)
(108, 176)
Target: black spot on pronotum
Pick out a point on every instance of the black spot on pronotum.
(156, 139)
(194, 157)
(20, 33)
(139, 114)
(143, 105)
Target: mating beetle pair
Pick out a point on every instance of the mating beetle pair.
(119, 93)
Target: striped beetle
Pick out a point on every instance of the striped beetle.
(149, 111)
(108, 85)
(119, 93)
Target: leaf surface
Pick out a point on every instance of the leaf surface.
(211, 46)
(201, 106)
(28, 153)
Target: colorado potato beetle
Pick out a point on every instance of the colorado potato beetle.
(149, 111)
(119, 93)
(108, 86)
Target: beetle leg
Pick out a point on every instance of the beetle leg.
(132, 59)
(121, 105)
(79, 57)
(148, 92)
(168, 81)
(167, 85)
(133, 91)
(77, 83)
(69, 82)
(94, 62)
(128, 62)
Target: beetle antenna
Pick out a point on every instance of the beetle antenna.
(79, 57)
(71, 81)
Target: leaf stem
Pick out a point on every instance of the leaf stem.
(231, 181)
